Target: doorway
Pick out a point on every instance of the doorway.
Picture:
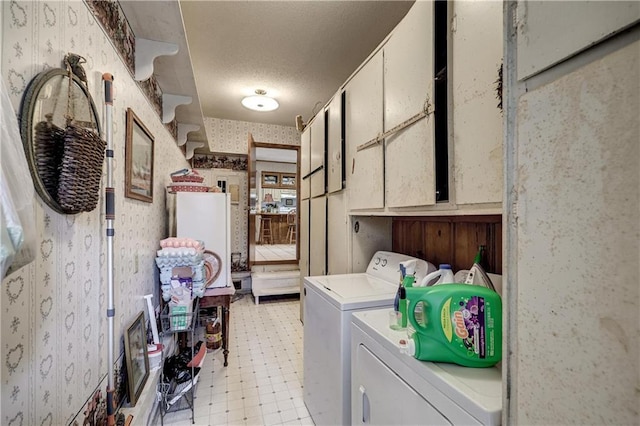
(273, 203)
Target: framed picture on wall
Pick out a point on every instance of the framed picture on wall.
(137, 358)
(138, 178)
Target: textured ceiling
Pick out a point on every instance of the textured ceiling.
(300, 52)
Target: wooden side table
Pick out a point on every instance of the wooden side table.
(220, 296)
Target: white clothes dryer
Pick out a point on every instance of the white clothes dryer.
(389, 387)
(328, 304)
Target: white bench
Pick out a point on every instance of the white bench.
(274, 283)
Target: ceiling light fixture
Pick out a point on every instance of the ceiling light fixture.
(260, 102)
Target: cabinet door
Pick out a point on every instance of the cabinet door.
(318, 236)
(335, 154)
(408, 87)
(305, 164)
(303, 241)
(477, 140)
(317, 155)
(337, 234)
(364, 109)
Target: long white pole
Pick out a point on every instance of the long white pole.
(110, 216)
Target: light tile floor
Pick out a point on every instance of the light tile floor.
(262, 385)
(266, 252)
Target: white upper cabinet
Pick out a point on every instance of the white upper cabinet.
(408, 91)
(335, 154)
(363, 115)
(408, 66)
(318, 147)
(422, 122)
(476, 39)
(305, 164)
(550, 31)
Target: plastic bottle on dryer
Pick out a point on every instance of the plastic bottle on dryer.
(462, 324)
(444, 275)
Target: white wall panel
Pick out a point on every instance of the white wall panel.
(550, 31)
(578, 245)
(368, 235)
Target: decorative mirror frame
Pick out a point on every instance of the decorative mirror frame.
(28, 108)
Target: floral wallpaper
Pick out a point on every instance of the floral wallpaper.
(53, 311)
(230, 136)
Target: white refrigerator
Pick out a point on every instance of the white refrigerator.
(205, 216)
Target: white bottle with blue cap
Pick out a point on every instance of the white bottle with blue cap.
(444, 275)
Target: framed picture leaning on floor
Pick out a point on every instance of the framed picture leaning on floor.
(136, 357)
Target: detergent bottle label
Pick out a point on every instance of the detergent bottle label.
(467, 323)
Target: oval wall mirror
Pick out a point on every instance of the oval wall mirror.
(49, 99)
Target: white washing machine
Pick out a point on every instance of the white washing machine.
(328, 304)
(391, 388)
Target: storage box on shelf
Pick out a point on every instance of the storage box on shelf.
(187, 180)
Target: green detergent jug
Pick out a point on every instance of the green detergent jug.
(462, 324)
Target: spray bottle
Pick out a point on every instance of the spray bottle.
(407, 278)
(407, 282)
(396, 324)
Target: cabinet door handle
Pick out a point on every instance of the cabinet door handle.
(316, 170)
(365, 405)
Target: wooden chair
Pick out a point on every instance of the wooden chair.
(291, 228)
(266, 232)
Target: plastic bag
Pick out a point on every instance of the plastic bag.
(18, 225)
(7, 246)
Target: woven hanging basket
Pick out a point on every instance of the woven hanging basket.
(81, 169)
(49, 146)
(81, 164)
